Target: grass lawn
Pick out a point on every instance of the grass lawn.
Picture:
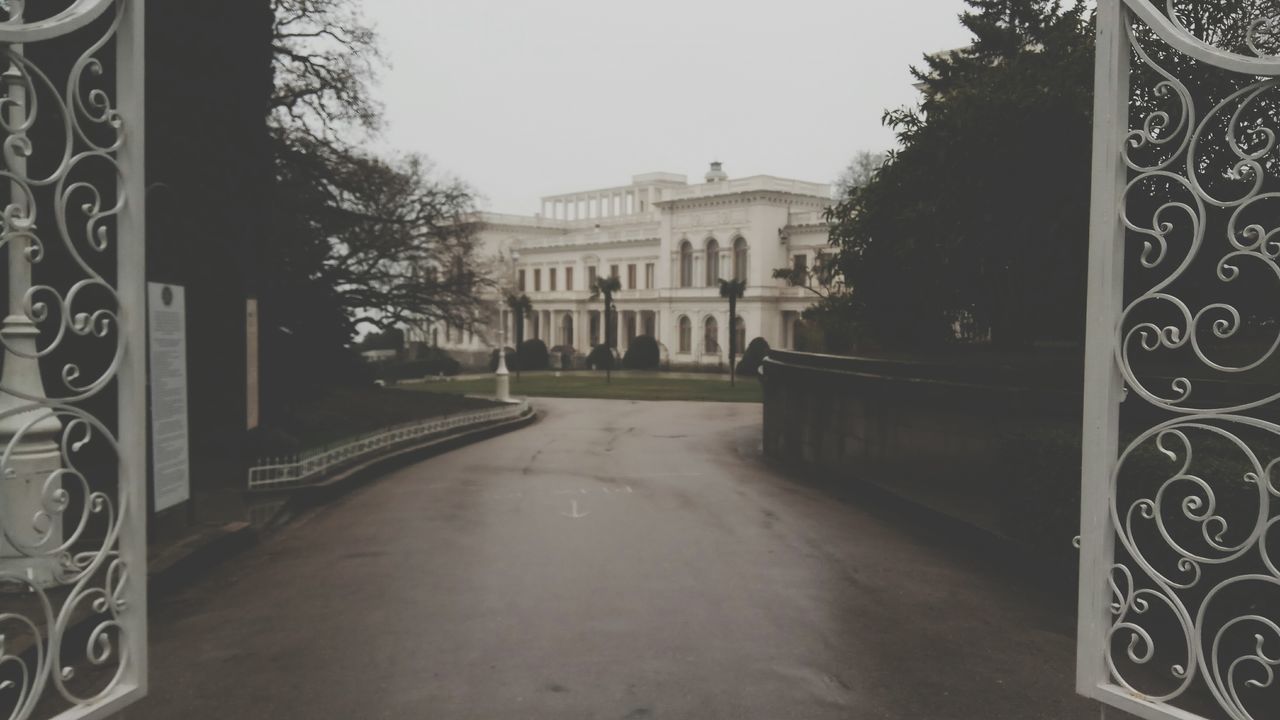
(625, 386)
(345, 412)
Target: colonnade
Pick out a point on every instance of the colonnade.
(583, 329)
(600, 204)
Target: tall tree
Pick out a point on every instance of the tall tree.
(733, 290)
(983, 208)
(520, 306)
(326, 56)
(356, 239)
(604, 288)
(859, 171)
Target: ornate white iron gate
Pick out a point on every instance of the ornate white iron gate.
(72, 395)
(1180, 549)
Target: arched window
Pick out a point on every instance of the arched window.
(713, 262)
(686, 264)
(740, 259)
(739, 335)
(686, 334)
(711, 338)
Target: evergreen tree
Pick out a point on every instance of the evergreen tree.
(983, 210)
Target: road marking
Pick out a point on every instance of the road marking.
(575, 514)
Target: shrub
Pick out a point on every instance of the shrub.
(753, 357)
(533, 355)
(564, 354)
(642, 354)
(435, 362)
(602, 357)
(512, 360)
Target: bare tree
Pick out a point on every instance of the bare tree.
(859, 171)
(401, 245)
(325, 59)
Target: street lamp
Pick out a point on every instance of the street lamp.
(31, 497)
(503, 375)
(515, 262)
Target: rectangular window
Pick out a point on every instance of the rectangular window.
(591, 277)
(800, 269)
(537, 280)
(648, 276)
(552, 279)
(613, 271)
(631, 277)
(568, 278)
(522, 288)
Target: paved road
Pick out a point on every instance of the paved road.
(617, 560)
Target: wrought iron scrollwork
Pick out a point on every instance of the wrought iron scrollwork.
(64, 634)
(1195, 496)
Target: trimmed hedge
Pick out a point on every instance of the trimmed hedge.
(565, 354)
(533, 355)
(753, 357)
(642, 354)
(602, 357)
(512, 360)
(437, 362)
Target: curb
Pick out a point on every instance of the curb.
(182, 562)
(346, 480)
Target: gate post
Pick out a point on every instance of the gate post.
(1104, 386)
(131, 280)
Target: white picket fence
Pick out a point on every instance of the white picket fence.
(306, 468)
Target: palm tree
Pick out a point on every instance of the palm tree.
(733, 290)
(519, 305)
(606, 287)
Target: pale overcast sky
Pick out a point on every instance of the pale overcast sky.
(526, 98)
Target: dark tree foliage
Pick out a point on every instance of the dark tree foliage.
(753, 357)
(984, 207)
(511, 359)
(602, 357)
(533, 355)
(392, 339)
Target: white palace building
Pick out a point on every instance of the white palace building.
(669, 242)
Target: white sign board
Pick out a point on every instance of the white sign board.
(168, 340)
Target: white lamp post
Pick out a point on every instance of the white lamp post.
(31, 498)
(515, 262)
(502, 375)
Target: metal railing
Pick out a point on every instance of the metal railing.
(305, 468)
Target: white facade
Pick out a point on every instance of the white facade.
(669, 242)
